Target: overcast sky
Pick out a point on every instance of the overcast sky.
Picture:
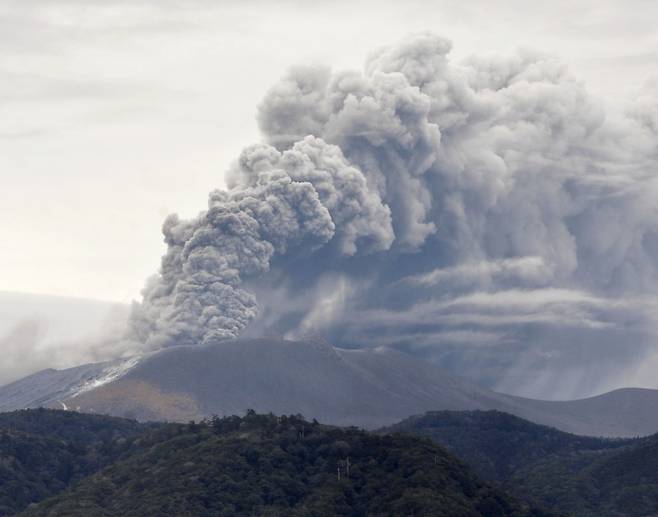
(115, 113)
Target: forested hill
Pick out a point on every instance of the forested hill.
(497, 444)
(580, 475)
(56, 463)
(42, 452)
(267, 465)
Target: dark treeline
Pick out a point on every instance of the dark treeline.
(250, 465)
(583, 476)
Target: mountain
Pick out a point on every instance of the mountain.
(367, 388)
(582, 476)
(255, 465)
(50, 387)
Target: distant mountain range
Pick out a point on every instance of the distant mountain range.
(367, 388)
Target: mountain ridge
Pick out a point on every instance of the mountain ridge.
(367, 388)
(579, 475)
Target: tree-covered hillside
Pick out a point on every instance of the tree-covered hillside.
(497, 445)
(268, 465)
(59, 463)
(564, 472)
(43, 451)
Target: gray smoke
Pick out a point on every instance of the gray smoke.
(305, 200)
(34, 342)
(490, 215)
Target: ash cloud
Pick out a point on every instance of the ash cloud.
(490, 215)
(307, 199)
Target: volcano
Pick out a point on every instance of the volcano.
(366, 388)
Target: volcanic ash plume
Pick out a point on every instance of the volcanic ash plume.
(489, 212)
(290, 203)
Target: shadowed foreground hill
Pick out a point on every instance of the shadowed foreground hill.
(582, 475)
(267, 465)
(42, 451)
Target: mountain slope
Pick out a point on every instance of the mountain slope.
(367, 388)
(580, 475)
(341, 387)
(627, 412)
(267, 465)
(51, 387)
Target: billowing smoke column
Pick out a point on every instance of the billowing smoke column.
(490, 215)
(296, 202)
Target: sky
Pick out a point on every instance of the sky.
(479, 189)
(115, 113)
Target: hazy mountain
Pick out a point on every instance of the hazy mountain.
(39, 331)
(561, 471)
(369, 388)
(267, 465)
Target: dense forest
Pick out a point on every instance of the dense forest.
(574, 474)
(68, 464)
(43, 451)
(60, 463)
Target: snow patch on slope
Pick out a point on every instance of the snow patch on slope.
(114, 371)
(50, 387)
